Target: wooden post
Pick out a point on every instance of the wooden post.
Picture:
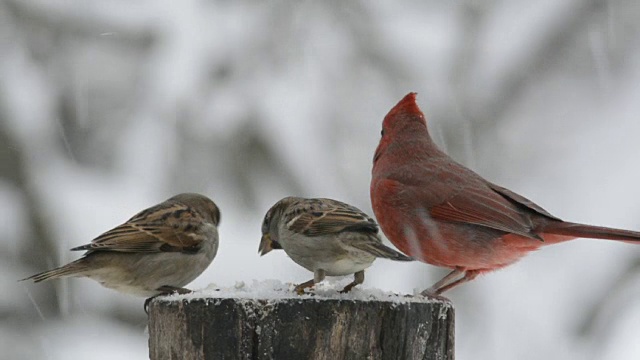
(301, 328)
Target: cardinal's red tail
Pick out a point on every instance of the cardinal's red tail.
(592, 232)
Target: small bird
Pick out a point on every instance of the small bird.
(325, 236)
(442, 213)
(157, 251)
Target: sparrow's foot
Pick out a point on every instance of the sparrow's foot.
(299, 289)
(146, 304)
(165, 290)
(358, 278)
(348, 288)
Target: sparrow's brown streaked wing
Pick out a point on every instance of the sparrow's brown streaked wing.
(167, 227)
(325, 217)
(374, 246)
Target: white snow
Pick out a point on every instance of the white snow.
(277, 290)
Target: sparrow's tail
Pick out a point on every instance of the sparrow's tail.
(574, 230)
(71, 269)
(380, 250)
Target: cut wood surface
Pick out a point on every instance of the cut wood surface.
(290, 327)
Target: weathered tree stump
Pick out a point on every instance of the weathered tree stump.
(301, 328)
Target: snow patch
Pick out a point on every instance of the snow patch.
(277, 290)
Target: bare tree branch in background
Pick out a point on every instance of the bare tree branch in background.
(602, 316)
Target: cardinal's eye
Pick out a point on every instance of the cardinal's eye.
(382, 132)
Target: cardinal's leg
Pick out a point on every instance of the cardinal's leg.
(454, 278)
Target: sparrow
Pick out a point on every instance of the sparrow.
(157, 251)
(325, 236)
(444, 214)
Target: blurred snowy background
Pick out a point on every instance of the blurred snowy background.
(109, 107)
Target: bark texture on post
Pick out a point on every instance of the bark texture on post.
(300, 328)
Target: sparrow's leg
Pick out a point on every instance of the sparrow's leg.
(358, 278)
(447, 282)
(165, 290)
(318, 276)
(300, 287)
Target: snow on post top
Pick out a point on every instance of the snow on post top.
(275, 290)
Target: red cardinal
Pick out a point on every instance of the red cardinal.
(444, 214)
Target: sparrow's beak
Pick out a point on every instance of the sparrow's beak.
(266, 244)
